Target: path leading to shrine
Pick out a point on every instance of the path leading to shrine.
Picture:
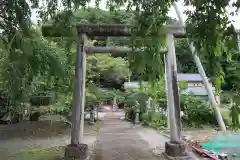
(120, 140)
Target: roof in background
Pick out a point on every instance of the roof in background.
(198, 91)
(189, 77)
(133, 84)
(181, 77)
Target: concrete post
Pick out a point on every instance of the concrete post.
(77, 150)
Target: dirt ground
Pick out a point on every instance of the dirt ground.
(47, 127)
(30, 130)
(44, 139)
(199, 134)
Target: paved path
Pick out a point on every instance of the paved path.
(120, 140)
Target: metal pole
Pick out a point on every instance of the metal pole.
(166, 88)
(173, 124)
(203, 75)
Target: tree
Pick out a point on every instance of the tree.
(184, 58)
(30, 68)
(104, 69)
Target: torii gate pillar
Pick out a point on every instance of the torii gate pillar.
(77, 150)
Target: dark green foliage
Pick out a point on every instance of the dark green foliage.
(154, 120)
(235, 110)
(4, 99)
(49, 31)
(42, 100)
(35, 116)
(185, 60)
(30, 63)
(198, 112)
(210, 30)
(234, 114)
(130, 114)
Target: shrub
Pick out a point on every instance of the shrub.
(198, 111)
(154, 119)
(35, 116)
(129, 114)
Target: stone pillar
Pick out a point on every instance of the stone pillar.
(92, 116)
(114, 101)
(115, 104)
(175, 148)
(77, 150)
(148, 104)
(137, 111)
(137, 119)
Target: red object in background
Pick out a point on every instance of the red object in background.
(206, 138)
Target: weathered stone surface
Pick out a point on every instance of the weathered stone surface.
(176, 151)
(76, 152)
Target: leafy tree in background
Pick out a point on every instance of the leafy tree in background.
(105, 70)
(30, 68)
(208, 27)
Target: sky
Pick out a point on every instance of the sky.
(171, 13)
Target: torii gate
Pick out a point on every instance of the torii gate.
(79, 151)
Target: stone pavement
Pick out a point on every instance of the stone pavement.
(120, 140)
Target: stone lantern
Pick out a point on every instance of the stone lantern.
(137, 112)
(92, 115)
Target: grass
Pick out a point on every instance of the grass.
(37, 154)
